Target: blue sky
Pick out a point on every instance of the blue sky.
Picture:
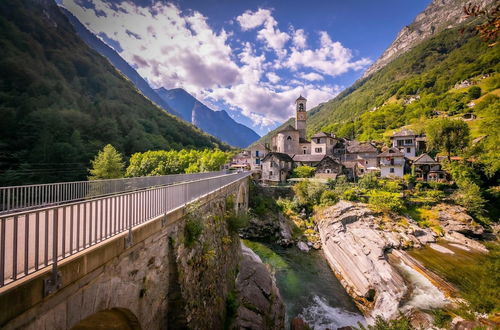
(251, 58)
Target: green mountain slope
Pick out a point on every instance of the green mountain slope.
(61, 101)
(430, 70)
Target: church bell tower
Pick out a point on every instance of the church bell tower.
(301, 116)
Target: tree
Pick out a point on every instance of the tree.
(474, 92)
(304, 171)
(108, 164)
(447, 135)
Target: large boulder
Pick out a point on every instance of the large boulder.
(259, 301)
(355, 250)
(454, 218)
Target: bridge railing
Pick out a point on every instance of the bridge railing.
(33, 240)
(17, 198)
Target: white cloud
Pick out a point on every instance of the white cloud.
(299, 39)
(170, 48)
(270, 34)
(311, 76)
(332, 58)
(272, 77)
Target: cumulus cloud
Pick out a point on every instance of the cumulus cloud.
(171, 48)
(272, 77)
(270, 34)
(311, 76)
(331, 58)
(299, 39)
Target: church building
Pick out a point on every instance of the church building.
(292, 140)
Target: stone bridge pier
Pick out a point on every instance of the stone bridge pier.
(161, 279)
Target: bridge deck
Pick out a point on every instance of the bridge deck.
(35, 239)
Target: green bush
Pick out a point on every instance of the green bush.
(469, 196)
(328, 198)
(474, 92)
(192, 230)
(236, 221)
(385, 201)
(350, 195)
(369, 181)
(308, 193)
(441, 318)
(304, 171)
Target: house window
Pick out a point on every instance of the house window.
(409, 141)
(318, 140)
(318, 149)
(256, 153)
(328, 171)
(400, 143)
(271, 165)
(392, 161)
(270, 173)
(366, 162)
(257, 161)
(408, 150)
(304, 151)
(289, 138)
(391, 170)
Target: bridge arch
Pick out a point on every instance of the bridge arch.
(114, 318)
(242, 197)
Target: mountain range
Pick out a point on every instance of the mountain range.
(176, 101)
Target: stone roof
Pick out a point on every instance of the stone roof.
(357, 147)
(258, 146)
(350, 164)
(279, 155)
(404, 132)
(321, 134)
(301, 98)
(391, 152)
(424, 159)
(308, 158)
(287, 129)
(329, 158)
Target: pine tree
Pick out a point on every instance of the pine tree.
(108, 164)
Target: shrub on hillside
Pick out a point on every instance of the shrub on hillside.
(469, 196)
(304, 171)
(192, 230)
(308, 193)
(369, 181)
(328, 198)
(385, 201)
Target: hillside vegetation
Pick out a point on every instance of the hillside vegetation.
(61, 102)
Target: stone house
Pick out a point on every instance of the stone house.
(276, 167)
(286, 141)
(428, 169)
(257, 154)
(392, 163)
(364, 153)
(329, 168)
(322, 144)
(405, 142)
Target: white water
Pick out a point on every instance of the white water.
(425, 295)
(319, 316)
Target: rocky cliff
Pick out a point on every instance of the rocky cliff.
(439, 15)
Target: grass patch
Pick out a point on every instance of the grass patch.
(192, 231)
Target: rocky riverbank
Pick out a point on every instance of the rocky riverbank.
(356, 242)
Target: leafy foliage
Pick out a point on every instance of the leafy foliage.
(108, 164)
(62, 102)
(447, 135)
(163, 162)
(385, 201)
(192, 230)
(304, 171)
(401, 323)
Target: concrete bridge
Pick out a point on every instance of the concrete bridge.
(112, 260)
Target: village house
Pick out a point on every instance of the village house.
(276, 167)
(329, 168)
(292, 140)
(241, 161)
(427, 168)
(309, 160)
(257, 154)
(364, 153)
(392, 163)
(322, 144)
(408, 142)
